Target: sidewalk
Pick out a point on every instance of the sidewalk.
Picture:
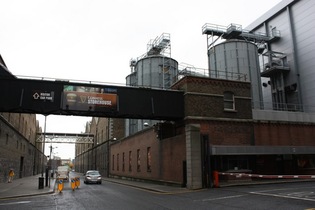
(27, 186)
(153, 187)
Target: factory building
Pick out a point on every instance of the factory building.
(251, 113)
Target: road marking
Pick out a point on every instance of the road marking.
(221, 198)
(282, 196)
(14, 203)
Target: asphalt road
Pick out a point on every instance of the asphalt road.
(286, 196)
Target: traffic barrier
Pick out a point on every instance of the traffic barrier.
(247, 177)
(215, 178)
(60, 185)
(77, 181)
(72, 184)
(269, 176)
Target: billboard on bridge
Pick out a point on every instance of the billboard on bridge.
(83, 98)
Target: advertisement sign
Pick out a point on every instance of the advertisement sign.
(89, 98)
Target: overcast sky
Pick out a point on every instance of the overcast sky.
(94, 40)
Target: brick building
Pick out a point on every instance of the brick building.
(18, 147)
(219, 132)
(263, 125)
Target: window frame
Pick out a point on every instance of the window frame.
(229, 101)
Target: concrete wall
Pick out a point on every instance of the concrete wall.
(193, 156)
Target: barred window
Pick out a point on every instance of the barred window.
(123, 162)
(149, 159)
(130, 168)
(117, 162)
(138, 160)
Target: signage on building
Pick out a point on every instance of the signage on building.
(89, 98)
(43, 96)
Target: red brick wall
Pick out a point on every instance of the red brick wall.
(173, 153)
(227, 133)
(167, 156)
(204, 97)
(282, 134)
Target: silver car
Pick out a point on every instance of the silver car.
(92, 177)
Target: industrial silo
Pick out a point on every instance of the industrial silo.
(156, 69)
(233, 58)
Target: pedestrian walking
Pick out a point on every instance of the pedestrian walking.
(11, 175)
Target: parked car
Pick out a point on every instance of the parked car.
(92, 176)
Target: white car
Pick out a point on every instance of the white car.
(92, 177)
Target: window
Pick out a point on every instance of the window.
(113, 163)
(117, 162)
(130, 169)
(138, 160)
(123, 162)
(229, 101)
(149, 159)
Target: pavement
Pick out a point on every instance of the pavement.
(29, 186)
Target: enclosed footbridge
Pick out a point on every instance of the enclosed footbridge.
(65, 138)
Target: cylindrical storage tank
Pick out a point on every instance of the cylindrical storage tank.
(154, 71)
(232, 58)
(131, 79)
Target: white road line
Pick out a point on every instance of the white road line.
(14, 203)
(221, 198)
(282, 196)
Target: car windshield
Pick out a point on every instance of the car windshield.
(93, 173)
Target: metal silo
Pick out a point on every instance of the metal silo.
(155, 69)
(239, 57)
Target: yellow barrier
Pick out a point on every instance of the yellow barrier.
(60, 185)
(72, 184)
(77, 181)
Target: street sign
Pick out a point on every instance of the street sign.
(44, 96)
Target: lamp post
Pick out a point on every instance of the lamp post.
(50, 159)
(43, 163)
(41, 179)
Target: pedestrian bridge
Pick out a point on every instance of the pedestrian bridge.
(60, 97)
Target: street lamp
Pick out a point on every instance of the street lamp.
(50, 158)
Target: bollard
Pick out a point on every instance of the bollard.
(77, 181)
(72, 184)
(215, 178)
(41, 183)
(60, 185)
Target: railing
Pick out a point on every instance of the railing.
(218, 29)
(280, 106)
(192, 71)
